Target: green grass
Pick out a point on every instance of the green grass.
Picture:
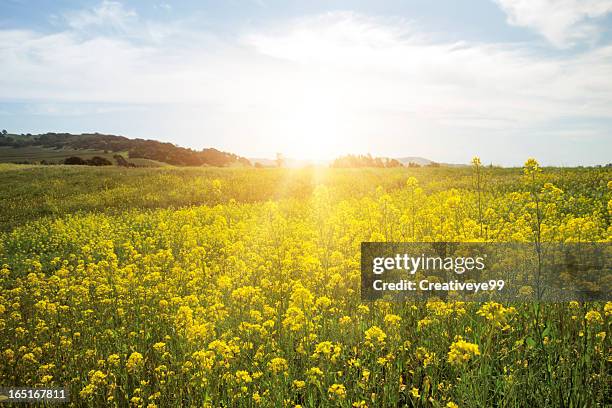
(36, 154)
(147, 163)
(30, 192)
(33, 191)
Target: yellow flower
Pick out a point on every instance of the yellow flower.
(9, 354)
(184, 317)
(243, 377)
(113, 359)
(608, 309)
(323, 302)
(451, 404)
(424, 323)
(97, 378)
(345, 320)
(461, 352)
(337, 391)
(301, 297)
(277, 365)
(313, 374)
(327, 349)
(294, 319)
(497, 314)
(256, 397)
(135, 362)
(223, 349)
(415, 392)
(425, 356)
(87, 391)
(29, 358)
(532, 166)
(159, 347)
(363, 309)
(593, 317)
(392, 320)
(375, 336)
(412, 182)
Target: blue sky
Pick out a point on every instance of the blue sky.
(447, 80)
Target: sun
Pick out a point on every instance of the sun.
(314, 126)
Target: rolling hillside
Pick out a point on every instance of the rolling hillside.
(54, 148)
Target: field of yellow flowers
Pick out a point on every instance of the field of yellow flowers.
(240, 288)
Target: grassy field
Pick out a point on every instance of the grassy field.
(240, 287)
(32, 192)
(36, 154)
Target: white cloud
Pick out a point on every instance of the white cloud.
(354, 61)
(375, 64)
(106, 14)
(562, 22)
(346, 78)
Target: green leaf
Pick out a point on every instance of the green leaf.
(530, 342)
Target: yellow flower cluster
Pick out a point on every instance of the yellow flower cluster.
(496, 314)
(461, 352)
(337, 391)
(254, 300)
(134, 362)
(375, 336)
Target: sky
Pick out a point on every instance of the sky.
(447, 80)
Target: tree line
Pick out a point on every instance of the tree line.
(367, 160)
(136, 148)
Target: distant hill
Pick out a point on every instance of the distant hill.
(55, 147)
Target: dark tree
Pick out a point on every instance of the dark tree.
(75, 160)
(365, 161)
(122, 162)
(98, 161)
(136, 148)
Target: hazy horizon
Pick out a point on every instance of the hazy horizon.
(504, 80)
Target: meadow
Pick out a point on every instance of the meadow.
(237, 287)
(37, 153)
